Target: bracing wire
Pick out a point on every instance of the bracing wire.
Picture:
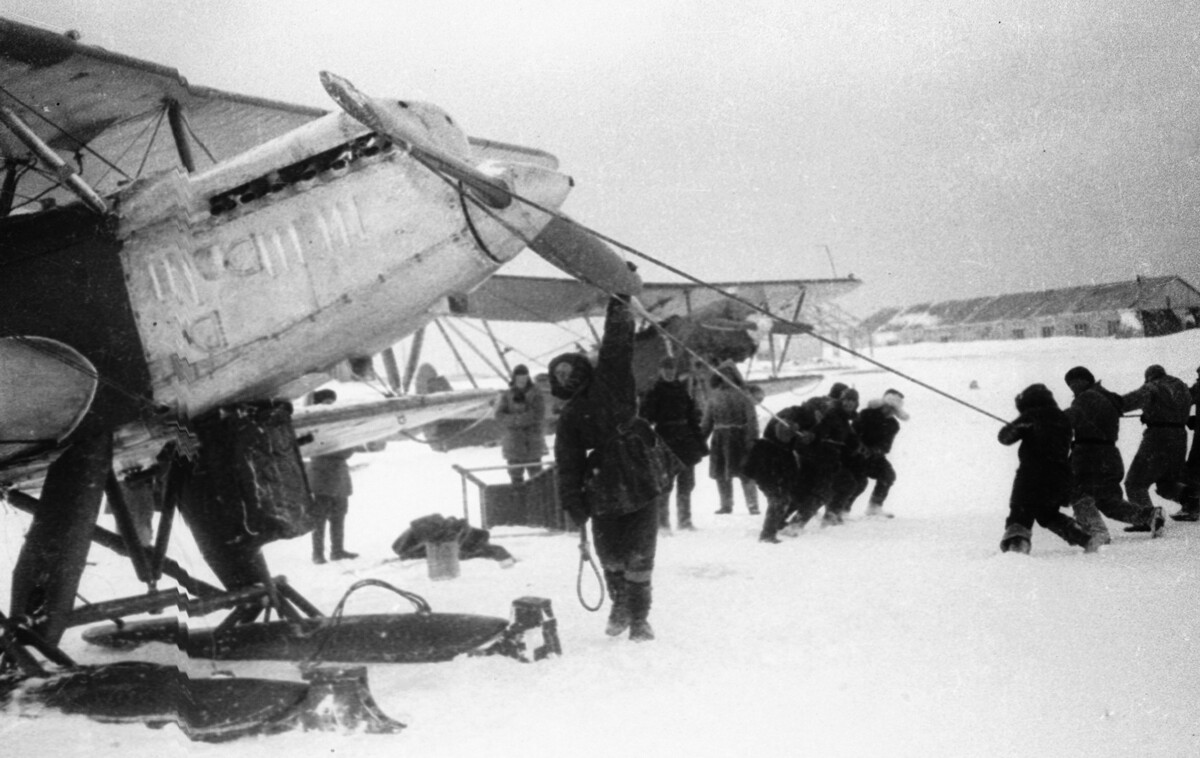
(150, 145)
(81, 143)
(187, 124)
(136, 138)
(805, 328)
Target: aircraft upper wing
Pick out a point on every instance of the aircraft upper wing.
(540, 299)
(105, 113)
(72, 95)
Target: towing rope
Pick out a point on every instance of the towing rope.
(801, 327)
(585, 556)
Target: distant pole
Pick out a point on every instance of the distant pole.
(829, 255)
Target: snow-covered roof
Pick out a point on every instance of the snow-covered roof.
(1144, 293)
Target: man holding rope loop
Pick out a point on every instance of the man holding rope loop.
(612, 467)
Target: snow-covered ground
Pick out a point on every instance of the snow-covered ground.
(909, 637)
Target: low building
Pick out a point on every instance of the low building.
(1145, 307)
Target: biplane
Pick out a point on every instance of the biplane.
(176, 264)
(697, 325)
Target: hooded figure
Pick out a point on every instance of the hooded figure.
(1096, 464)
(895, 399)
(521, 411)
(1042, 485)
(669, 406)
(600, 403)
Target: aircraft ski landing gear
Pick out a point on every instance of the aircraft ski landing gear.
(339, 700)
(528, 613)
(216, 709)
(55, 550)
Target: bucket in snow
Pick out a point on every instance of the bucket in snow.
(442, 559)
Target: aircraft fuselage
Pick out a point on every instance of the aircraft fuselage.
(314, 247)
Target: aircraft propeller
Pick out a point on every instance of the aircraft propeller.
(561, 242)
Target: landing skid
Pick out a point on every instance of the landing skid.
(231, 520)
(217, 709)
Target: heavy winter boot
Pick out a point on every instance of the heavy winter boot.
(725, 492)
(618, 592)
(318, 543)
(683, 506)
(750, 491)
(1016, 539)
(875, 510)
(1190, 500)
(337, 539)
(1088, 516)
(831, 518)
(664, 513)
(1069, 529)
(639, 611)
(1153, 524)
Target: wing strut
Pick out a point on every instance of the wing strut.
(8, 192)
(477, 351)
(414, 355)
(787, 341)
(457, 356)
(499, 352)
(179, 132)
(392, 370)
(67, 175)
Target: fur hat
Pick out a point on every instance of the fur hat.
(895, 398)
(521, 368)
(1035, 396)
(1079, 374)
(837, 389)
(581, 375)
(1155, 372)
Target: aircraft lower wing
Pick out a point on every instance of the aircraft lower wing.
(544, 299)
(328, 429)
(320, 430)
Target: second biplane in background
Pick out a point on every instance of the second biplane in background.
(699, 325)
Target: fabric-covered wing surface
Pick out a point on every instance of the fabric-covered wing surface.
(73, 95)
(511, 298)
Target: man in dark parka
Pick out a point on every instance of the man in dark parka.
(1042, 485)
(625, 521)
(331, 487)
(775, 465)
(878, 425)
(1191, 495)
(1096, 464)
(676, 418)
(732, 421)
(1165, 402)
(521, 411)
(843, 413)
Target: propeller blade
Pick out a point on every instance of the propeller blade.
(585, 257)
(381, 117)
(564, 244)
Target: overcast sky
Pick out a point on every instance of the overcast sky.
(933, 150)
